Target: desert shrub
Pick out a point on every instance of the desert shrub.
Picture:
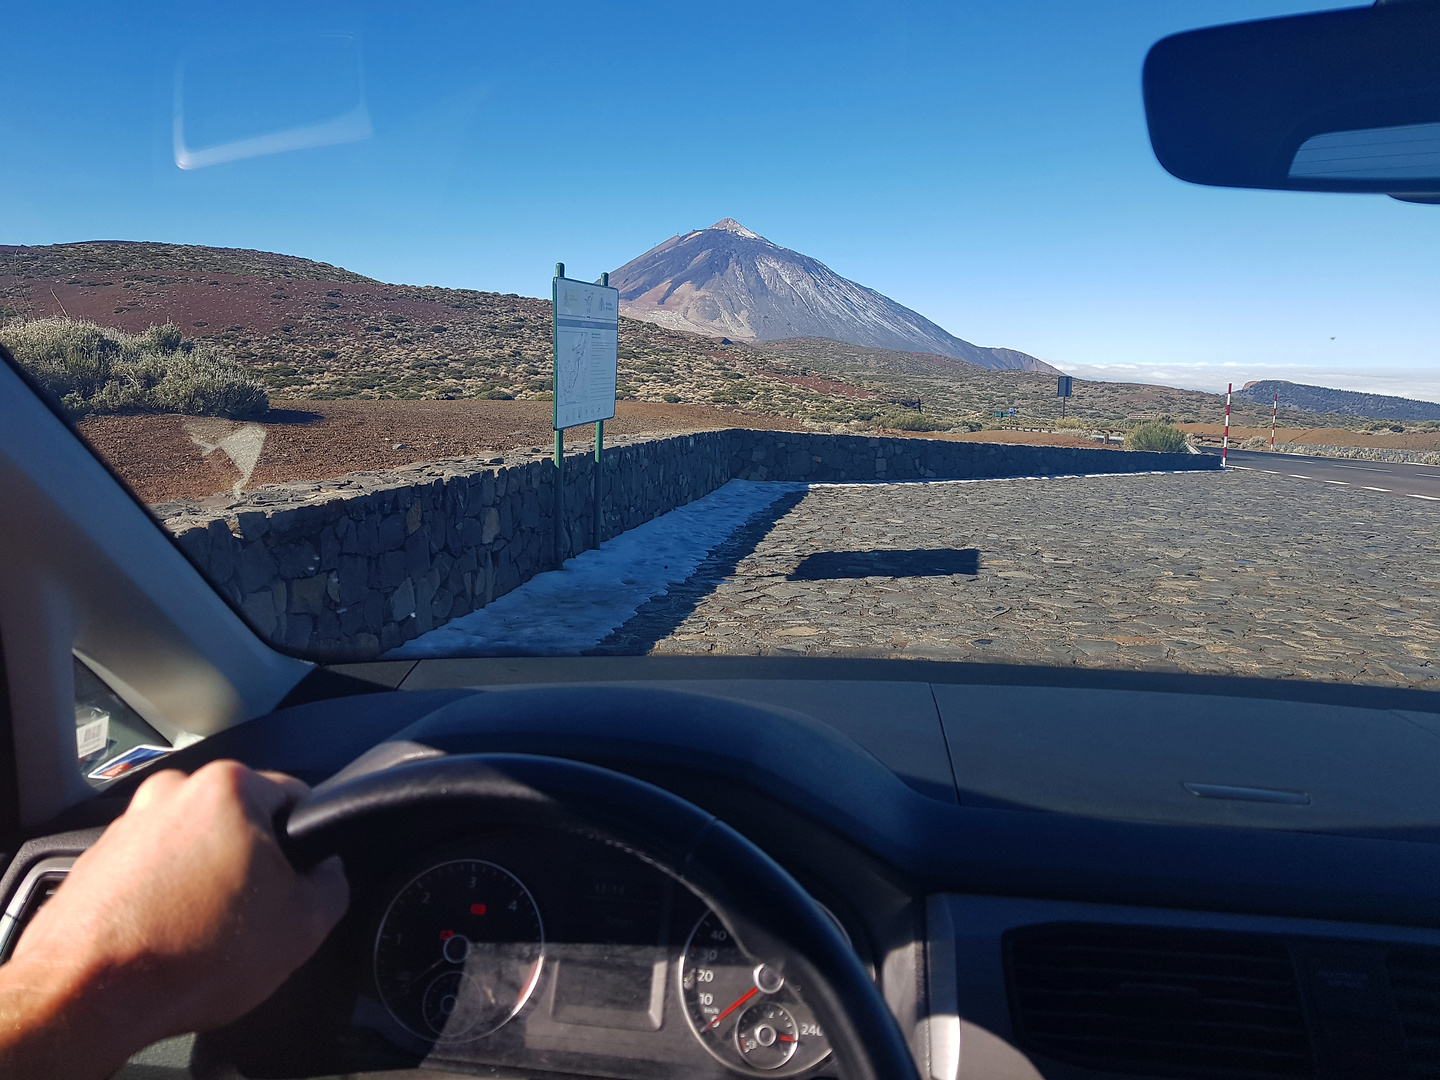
(673, 399)
(1156, 436)
(1255, 442)
(497, 395)
(1068, 424)
(94, 369)
(160, 339)
(909, 420)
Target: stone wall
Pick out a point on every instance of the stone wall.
(355, 566)
(788, 455)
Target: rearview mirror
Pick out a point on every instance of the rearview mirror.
(1344, 100)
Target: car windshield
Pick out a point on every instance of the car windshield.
(845, 329)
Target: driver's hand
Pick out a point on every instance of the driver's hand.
(183, 916)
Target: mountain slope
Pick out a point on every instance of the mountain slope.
(728, 281)
(308, 330)
(1321, 399)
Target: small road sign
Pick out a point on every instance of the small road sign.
(1063, 389)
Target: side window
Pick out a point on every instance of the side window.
(110, 737)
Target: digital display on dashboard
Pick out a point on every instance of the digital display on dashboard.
(611, 973)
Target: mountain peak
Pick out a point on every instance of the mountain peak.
(730, 225)
(713, 285)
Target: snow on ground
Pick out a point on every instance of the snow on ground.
(566, 611)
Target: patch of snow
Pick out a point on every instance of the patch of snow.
(564, 612)
(732, 226)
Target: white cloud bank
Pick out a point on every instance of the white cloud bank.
(1421, 384)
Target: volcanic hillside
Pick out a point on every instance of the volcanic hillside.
(1321, 399)
(313, 331)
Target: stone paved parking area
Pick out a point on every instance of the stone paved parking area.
(1218, 573)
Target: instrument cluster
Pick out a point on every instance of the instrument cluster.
(555, 952)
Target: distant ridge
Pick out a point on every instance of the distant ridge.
(727, 281)
(1321, 399)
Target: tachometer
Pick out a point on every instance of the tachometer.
(746, 1014)
(459, 951)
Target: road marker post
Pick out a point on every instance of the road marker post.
(1225, 444)
(1273, 414)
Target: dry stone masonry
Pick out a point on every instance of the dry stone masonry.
(356, 566)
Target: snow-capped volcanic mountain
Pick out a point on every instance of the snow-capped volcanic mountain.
(727, 281)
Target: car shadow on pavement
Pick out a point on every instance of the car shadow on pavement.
(932, 562)
(659, 616)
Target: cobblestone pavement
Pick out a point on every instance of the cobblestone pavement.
(1220, 573)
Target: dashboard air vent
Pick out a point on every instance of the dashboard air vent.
(1174, 1003)
(1415, 982)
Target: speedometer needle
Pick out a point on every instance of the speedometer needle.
(744, 998)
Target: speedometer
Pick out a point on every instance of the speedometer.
(746, 1014)
(459, 951)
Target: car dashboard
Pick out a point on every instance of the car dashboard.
(1074, 880)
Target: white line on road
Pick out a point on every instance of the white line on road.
(1342, 483)
(1365, 487)
(1427, 498)
(1299, 476)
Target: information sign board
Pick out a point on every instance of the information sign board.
(587, 331)
(1065, 386)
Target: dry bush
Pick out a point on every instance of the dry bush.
(94, 369)
(909, 420)
(1158, 437)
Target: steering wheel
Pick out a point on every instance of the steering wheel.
(760, 903)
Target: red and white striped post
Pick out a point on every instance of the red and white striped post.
(1225, 446)
(1273, 414)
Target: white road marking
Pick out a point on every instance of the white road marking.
(1299, 476)
(1364, 487)
(1427, 498)
(1342, 483)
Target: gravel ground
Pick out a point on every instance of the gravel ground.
(320, 440)
(1219, 573)
(163, 457)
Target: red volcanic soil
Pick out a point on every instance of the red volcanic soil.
(826, 386)
(1024, 438)
(315, 440)
(222, 302)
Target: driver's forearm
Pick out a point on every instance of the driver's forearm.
(62, 1018)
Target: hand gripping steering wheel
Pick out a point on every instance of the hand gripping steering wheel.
(766, 909)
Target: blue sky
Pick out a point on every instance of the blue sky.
(985, 164)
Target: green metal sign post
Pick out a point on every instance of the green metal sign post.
(585, 337)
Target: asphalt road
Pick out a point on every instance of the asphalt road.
(1416, 481)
